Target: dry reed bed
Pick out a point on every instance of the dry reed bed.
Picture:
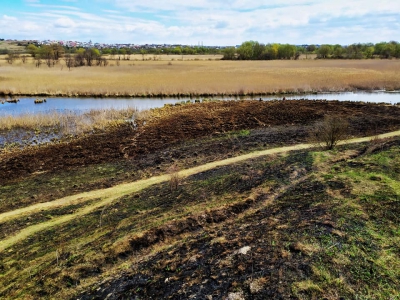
(200, 77)
(93, 119)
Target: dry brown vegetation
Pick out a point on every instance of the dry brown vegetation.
(198, 76)
(71, 122)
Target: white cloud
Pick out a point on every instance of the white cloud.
(8, 18)
(213, 22)
(64, 22)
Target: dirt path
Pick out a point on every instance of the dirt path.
(108, 195)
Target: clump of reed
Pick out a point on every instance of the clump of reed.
(69, 123)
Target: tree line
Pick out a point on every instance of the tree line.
(253, 50)
(50, 55)
(76, 57)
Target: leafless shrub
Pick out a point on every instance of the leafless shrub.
(330, 131)
(11, 57)
(69, 61)
(38, 62)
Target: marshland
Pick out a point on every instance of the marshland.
(201, 77)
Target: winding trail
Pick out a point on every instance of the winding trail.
(108, 195)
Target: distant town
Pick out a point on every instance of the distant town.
(90, 44)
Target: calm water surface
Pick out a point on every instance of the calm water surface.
(26, 105)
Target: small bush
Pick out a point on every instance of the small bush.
(329, 132)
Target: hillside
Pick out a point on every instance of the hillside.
(183, 205)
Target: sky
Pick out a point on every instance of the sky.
(206, 22)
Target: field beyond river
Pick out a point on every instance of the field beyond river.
(198, 76)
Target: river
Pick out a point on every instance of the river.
(26, 105)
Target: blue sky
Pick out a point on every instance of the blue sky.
(211, 22)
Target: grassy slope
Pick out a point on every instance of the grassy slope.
(319, 224)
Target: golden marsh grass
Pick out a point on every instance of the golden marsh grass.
(204, 76)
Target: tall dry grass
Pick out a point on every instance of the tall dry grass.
(68, 123)
(199, 77)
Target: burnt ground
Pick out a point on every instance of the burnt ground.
(171, 126)
(211, 264)
(290, 248)
(237, 246)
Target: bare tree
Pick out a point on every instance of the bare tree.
(11, 56)
(38, 62)
(49, 62)
(79, 59)
(69, 61)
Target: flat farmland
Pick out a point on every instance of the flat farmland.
(169, 75)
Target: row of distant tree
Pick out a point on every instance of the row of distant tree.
(76, 57)
(253, 50)
(177, 50)
(249, 50)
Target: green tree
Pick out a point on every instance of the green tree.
(79, 57)
(229, 53)
(286, 51)
(177, 50)
(369, 52)
(397, 51)
(274, 50)
(245, 51)
(106, 51)
(324, 51)
(311, 48)
(337, 51)
(258, 50)
(90, 55)
(32, 50)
